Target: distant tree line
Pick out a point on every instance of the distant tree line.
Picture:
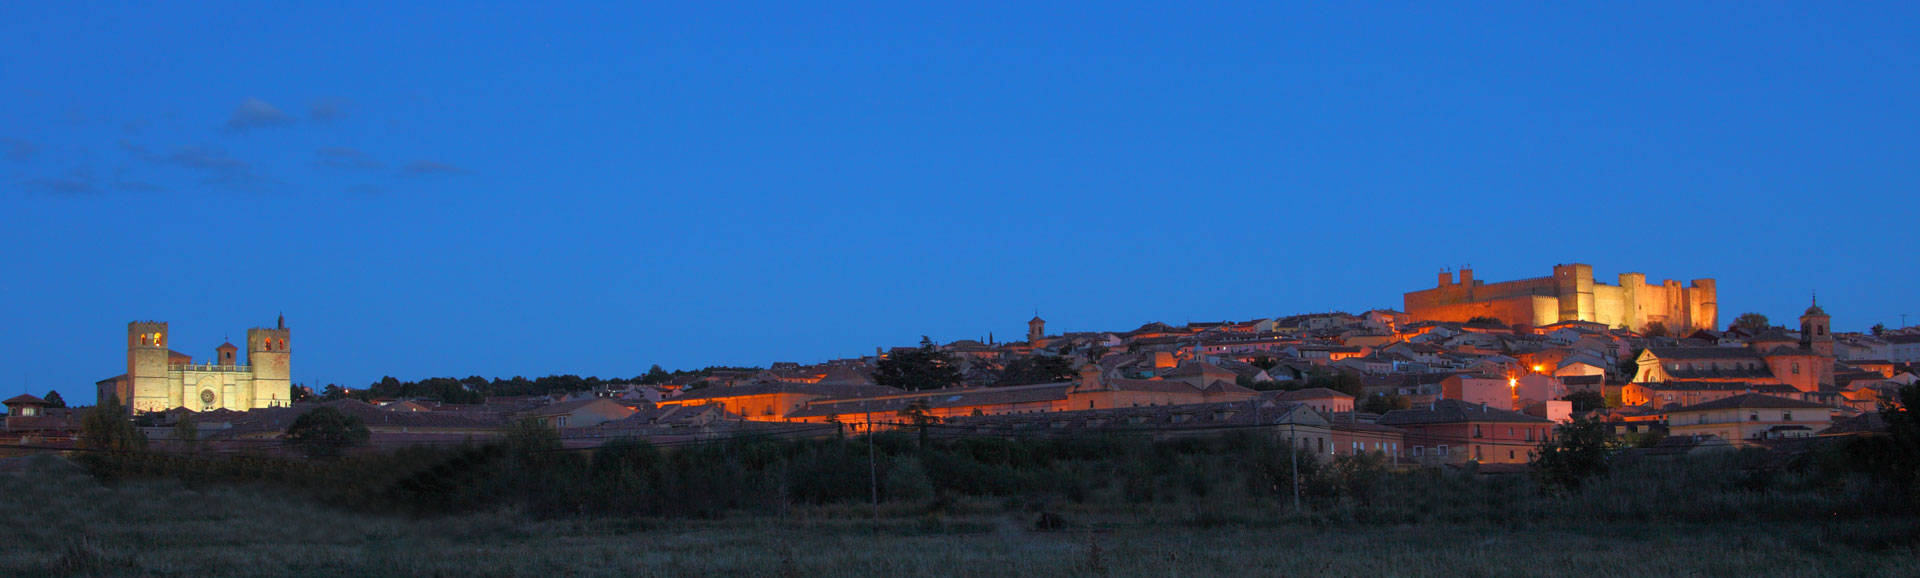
(475, 389)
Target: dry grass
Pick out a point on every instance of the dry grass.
(55, 520)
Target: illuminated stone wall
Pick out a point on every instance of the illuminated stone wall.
(159, 380)
(1570, 294)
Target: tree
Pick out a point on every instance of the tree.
(1264, 362)
(300, 393)
(1585, 401)
(325, 432)
(1486, 320)
(106, 427)
(1629, 366)
(1751, 322)
(185, 431)
(54, 400)
(1879, 329)
(1579, 450)
(1655, 329)
(1341, 381)
(1037, 369)
(922, 368)
(655, 376)
(1384, 403)
(333, 392)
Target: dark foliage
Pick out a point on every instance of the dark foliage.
(1579, 450)
(54, 400)
(921, 368)
(324, 432)
(1584, 401)
(1037, 369)
(1384, 403)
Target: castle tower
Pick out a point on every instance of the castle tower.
(1573, 289)
(270, 352)
(146, 381)
(225, 354)
(1816, 330)
(1036, 330)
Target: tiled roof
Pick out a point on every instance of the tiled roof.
(24, 399)
(827, 390)
(1312, 393)
(1670, 354)
(1455, 411)
(941, 398)
(1750, 400)
(1719, 386)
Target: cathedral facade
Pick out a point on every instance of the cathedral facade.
(160, 379)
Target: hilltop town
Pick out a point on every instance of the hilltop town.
(1447, 381)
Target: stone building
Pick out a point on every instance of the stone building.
(1570, 294)
(159, 379)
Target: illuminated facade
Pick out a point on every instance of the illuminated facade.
(159, 379)
(1570, 294)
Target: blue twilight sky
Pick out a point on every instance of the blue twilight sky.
(458, 189)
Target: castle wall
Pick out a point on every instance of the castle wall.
(1573, 295)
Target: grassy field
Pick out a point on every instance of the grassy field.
(57, 520)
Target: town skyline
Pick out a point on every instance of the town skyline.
(186, 337)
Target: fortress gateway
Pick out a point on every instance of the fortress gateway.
(1570, 295)
(160, 379)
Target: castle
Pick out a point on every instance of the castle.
(1570, 294)
(159, 379)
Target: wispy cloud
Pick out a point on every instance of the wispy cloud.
(432, 168)
(71, 186)
(346, 158)
(204, 158)
(19, 151)
(255, 113)
(328, 109)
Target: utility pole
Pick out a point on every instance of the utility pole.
(1293, 450)
(873, 472)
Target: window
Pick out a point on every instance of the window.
(1529, 434)
(1753, 416)
(1417, 449)
(1786, 416)
(1509, 454)
(1441, 450)
(1476, 430)
(1478, 452)
(1509, 431)
(1796, 368)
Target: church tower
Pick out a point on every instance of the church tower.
(269, 352)
(1816, 330)
(1036, 330)
(145, 388)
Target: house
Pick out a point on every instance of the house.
(1307, 428)
(1748, 418)
(578, 413)
(1685, 393)
(1450, 431)
(1323, 400)
(1357, 434)
(774, 401)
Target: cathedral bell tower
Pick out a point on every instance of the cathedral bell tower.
(1816, 330)
(270, 353)
(145, 387)
(1036, 330)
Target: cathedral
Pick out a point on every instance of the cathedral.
(160, 379)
